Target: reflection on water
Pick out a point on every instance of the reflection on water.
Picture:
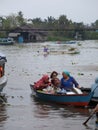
(45, 108)
(3, 115)
(59, 116)
(25, 65)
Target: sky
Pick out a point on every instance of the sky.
(77, 10)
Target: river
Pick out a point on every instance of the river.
(25, 65)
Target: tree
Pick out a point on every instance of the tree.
(63, 22)
(13, 21)
(37, 22)
(1, 22)
(10, 22)
(20, 19)
(96, 24)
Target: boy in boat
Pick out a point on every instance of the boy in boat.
(55, 82)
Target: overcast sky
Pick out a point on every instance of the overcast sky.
(77, 10)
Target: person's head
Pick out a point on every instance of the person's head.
(45, 78)
(56, 82)
(54, 74)
(45, 47)
(96, 80)
(65, 74)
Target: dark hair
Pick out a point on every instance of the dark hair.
(54, 72)
(53, 81)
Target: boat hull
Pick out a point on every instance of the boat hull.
(3, 82)
(93, 102)
(73, 100)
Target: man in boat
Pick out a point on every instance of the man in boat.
(68, 83)
(94, 88)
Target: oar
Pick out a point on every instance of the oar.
(89, 118)
(93, 112)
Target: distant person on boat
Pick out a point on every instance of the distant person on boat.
(45, 49)
(42, 83)
(68, 83)
(94, 88)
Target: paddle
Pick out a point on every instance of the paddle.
(93, 112)
(89, 118)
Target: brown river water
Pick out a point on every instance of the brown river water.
(25, 65)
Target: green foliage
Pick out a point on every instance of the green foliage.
(91, 35)
(20, 19)
(2, 34)
(10, 22)
(62, 23)
(13, 21)
(58, 38)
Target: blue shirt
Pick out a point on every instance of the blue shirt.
(68, 84)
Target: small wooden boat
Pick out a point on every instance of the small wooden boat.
(70, 42)
(57, 52)
(72, 99)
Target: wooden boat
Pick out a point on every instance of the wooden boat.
(94, 100)
(55, 52)
(6, 41)
(72, 99)
(70, 42)
(3, 78)
(66, 42)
